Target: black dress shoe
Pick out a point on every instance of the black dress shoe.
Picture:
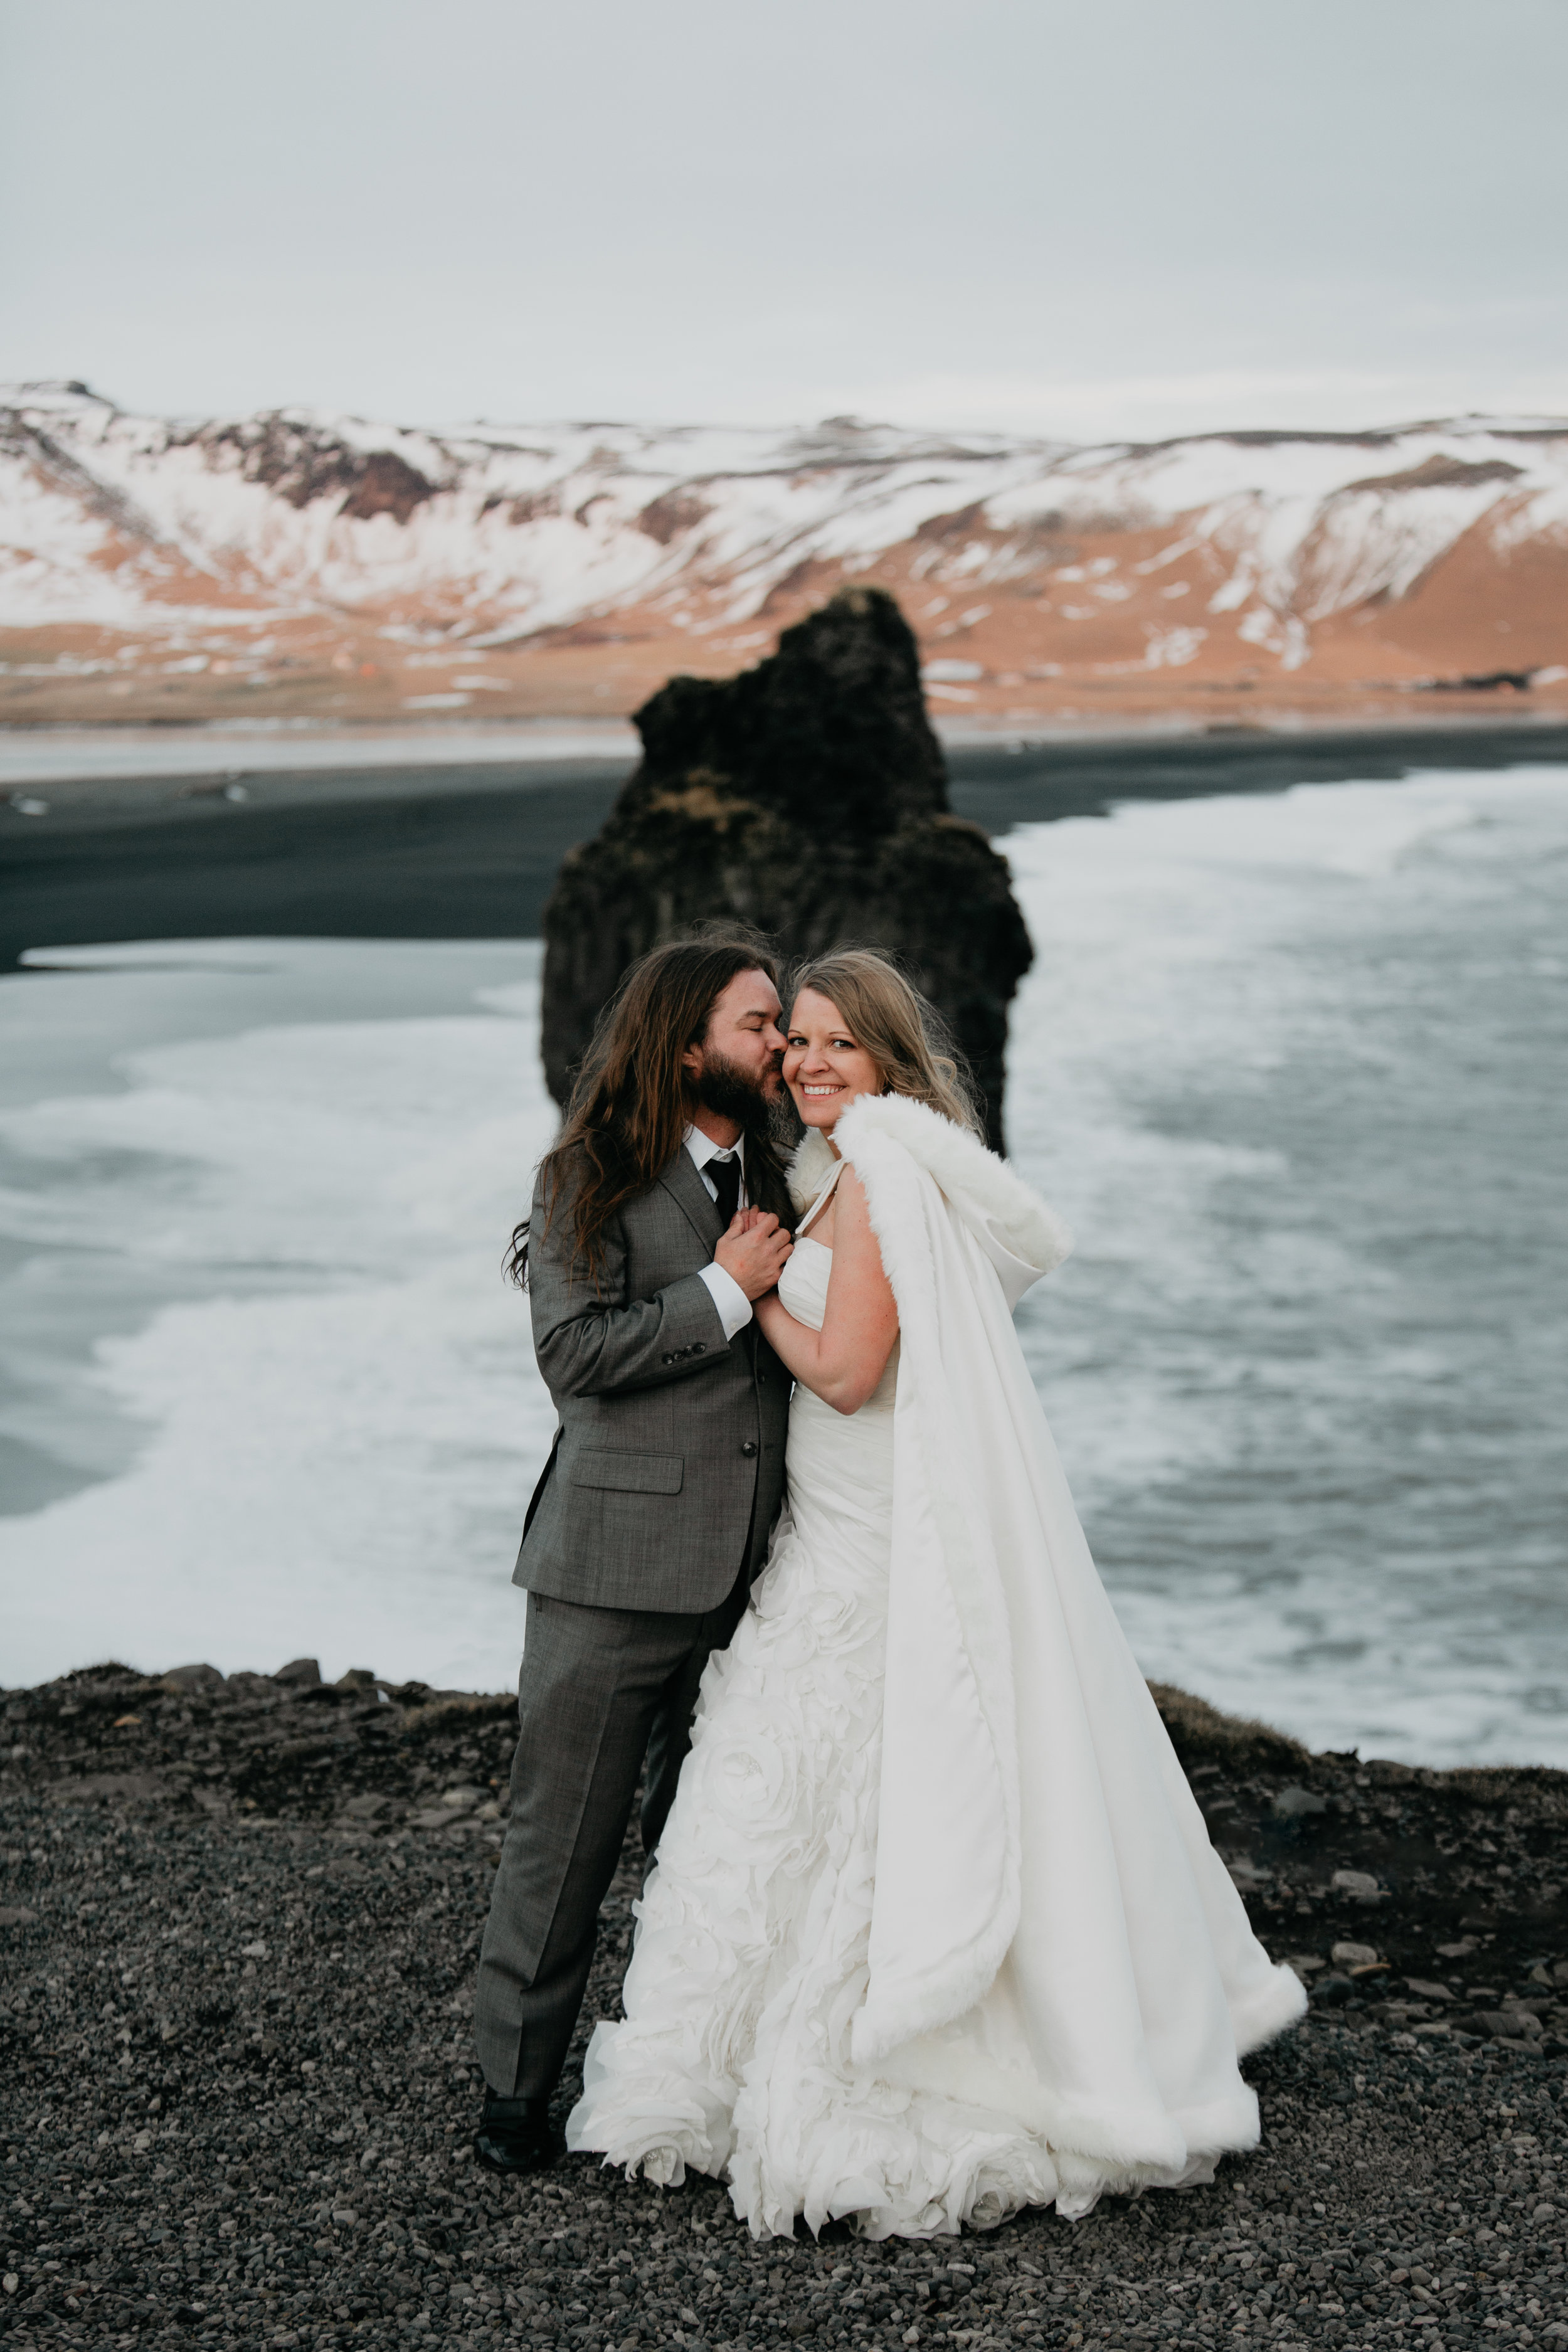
(516, 2134)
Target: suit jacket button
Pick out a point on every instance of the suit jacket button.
(667, 1359)
(750, 1446)
(698, 1348)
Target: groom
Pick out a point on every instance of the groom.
(654, 1509)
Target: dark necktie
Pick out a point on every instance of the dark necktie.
(726, 1176)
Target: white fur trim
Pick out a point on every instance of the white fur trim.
(983, 1188)
(811, 1164)
(1279, 2002)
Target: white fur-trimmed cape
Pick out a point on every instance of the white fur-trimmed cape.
(1038, 1845)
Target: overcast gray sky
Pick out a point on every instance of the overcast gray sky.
(1113, 216)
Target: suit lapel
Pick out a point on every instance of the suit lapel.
(686, 1188)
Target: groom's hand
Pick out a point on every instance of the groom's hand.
(753, 1251)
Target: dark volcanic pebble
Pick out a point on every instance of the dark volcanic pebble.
(240, 1931)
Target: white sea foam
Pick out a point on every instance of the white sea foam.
(1284, 1061)
(1285, 1064)
(341, 1423)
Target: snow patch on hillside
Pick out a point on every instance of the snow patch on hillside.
(138, 523)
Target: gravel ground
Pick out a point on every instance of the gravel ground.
(240, 1923)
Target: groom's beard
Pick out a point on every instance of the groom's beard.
(733, 1092)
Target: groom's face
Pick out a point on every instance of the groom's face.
(735, 1069)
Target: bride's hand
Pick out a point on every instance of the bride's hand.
(844, 1360)
(752, 1251)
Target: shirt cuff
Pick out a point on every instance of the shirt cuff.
(735, 1307)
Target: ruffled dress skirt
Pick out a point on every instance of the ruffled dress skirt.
(751, 1954)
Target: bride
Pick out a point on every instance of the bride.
(935, 1931)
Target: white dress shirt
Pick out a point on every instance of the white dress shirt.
(735, 1307)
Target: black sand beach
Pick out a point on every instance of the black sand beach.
(470, 851)
(240, 1927)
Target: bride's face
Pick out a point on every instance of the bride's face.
(824, 1067)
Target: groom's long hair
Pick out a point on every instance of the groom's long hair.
(633, 1100)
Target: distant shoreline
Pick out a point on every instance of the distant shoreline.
(43, 752)
(457, 845)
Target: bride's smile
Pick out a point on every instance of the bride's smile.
(824, 1067)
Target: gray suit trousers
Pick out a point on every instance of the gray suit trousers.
(599, 1689)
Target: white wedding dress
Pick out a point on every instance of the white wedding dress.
(751, 2047)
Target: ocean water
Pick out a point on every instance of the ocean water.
(255, 1197)
(1292, 1067)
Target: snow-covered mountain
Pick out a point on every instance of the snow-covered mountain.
(343, 564)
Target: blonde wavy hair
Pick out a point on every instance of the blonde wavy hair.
(902, 1032)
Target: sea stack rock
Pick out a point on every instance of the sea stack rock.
(807, 796)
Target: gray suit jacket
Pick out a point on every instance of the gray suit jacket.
(668, 1468)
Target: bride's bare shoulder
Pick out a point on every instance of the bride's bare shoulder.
(854, 1234)
(820, 1229)
(851, 1193)
(816, 1225)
